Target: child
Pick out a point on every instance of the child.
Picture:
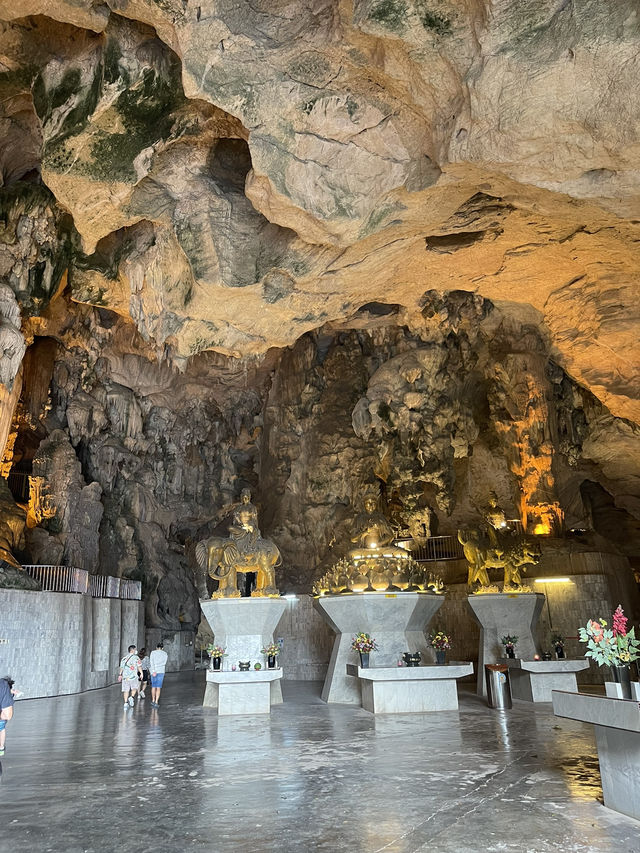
(144, 663)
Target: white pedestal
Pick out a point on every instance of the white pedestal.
(533, 680)
(617, 730)
(503, 613)
(244, 626)
(410, 689)
(614, 690)
(241, 692)
(397, 621)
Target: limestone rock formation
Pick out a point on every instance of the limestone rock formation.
(309, 246)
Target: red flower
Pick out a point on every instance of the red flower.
(619, 622)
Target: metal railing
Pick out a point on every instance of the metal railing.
(71, 579)
(18, 482)
(438, 548)
(60, 578)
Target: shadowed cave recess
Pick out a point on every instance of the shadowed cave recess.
(315, 250)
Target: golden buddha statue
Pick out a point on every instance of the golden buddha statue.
(373, 534)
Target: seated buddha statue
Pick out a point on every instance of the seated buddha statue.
(373, 534)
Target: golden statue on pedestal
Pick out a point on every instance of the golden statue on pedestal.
(376, 565)
(243, 551)
(496, 545)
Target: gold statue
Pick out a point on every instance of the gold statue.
(512, 554)
(376, 565)
(243, 551)
(373, 533)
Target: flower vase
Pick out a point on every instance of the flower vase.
(510, 651)
(271, 661)
(441, 657)
(216, 663)
(560, 653)
(364, 660)
(622, 676)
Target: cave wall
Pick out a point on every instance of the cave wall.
(314, 249)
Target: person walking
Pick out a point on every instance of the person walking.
(144, 663)
(6, 707)
(130, 669)
(157, 664)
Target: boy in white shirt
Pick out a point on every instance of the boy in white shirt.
(157, 664)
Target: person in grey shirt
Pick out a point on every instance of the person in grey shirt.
(157, 664)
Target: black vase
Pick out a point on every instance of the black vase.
(511, 652)
(560, 652)
(271, 661)
(622, 676)
(441, 657)
(364, 660)
(216, 663)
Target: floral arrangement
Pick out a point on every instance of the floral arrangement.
(509, 640)
(271, 650)
(613, 646)
(216, 651)
(557, 639)
(363, 643)
(440, 641)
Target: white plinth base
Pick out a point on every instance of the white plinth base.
(499, 614)
(617, 730)
(397, 621)
(241, 692)
(614, 690)
(533, 680)
(411, 689)
(244, 626)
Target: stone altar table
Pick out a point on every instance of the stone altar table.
(617, 730)
(533, 680)
(410, 689)
(241, 692)
(502, 613)
(397, 621)
(243, 626)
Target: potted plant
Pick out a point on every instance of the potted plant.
(614, 647)
(440, 642)
(271, 650)
(363, 643)
(557, 641)
(509, 642)
(216, 653)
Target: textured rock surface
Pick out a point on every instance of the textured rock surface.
(313, 247)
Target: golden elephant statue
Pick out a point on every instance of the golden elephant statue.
(222, 559)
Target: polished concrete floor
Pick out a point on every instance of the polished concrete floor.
(81, 775)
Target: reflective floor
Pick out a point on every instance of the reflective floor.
(81, 775)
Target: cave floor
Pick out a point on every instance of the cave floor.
(81, 775)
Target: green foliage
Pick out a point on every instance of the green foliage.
(606, 648)
(509, 640)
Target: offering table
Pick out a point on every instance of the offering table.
(240, 692)
(533, 680)
(617, 729)
(402, 690)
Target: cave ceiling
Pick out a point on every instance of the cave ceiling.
(234, 175)
(304, 245)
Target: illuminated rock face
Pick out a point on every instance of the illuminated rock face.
(310, 244)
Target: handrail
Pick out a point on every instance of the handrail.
(72, 579)
(438, 548)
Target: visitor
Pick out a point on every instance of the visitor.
(6, 707)
(130, 669)
(157, 664)
(144, 663)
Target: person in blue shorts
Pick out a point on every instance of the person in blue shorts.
(157, 664)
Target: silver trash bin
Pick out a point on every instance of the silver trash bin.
(498, 686)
